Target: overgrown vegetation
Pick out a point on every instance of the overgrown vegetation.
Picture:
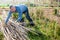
(46, 29)
(44, 26)
(1, 36)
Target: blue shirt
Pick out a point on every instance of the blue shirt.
(20, 9)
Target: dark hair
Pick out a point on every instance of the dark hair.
(11, 6)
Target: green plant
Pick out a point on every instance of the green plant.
(1, 36)
(43, 26)
(56, 11)
(15, 15)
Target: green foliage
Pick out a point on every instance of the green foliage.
(58, 30)
(0, 18)
(1, 36)
(15, 15)
(56, 11)
(44, 26)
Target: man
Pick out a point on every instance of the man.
(20, 9)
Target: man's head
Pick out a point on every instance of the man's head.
(12, 8)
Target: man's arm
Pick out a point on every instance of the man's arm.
(19, 16)
(9, 15)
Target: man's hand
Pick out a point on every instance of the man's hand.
(4, 25)
(16, 22)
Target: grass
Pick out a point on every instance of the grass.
(46, 29)
(1, 36)
(0, 18)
